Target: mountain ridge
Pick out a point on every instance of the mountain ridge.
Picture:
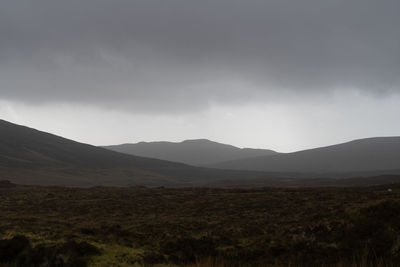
(30, 156)
(367, 154)
(196, 152)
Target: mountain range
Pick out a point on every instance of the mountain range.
(29, 156)
(380, 154)
(368, 156)
(199, 152)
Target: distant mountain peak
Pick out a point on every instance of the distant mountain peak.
(198, 152)
(202, 140)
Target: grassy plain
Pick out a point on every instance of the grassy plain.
(55, 226)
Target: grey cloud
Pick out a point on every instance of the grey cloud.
(157, 55)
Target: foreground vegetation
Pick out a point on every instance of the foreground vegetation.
(43, 226)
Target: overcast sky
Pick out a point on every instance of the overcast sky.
(279, 74)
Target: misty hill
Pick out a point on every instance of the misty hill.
(364, 155)
(198, 152)
(29, 156)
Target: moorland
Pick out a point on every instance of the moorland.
(58, 226)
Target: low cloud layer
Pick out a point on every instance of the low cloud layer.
(183, 55)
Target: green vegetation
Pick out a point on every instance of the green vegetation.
(44, 226)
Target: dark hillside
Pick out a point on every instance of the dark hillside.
(30, 156)
(365, 155)
(23, 146)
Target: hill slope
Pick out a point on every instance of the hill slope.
(198, 152)
(29, 156)
(364, 155)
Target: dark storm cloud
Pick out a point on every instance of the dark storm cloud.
(158, 55)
